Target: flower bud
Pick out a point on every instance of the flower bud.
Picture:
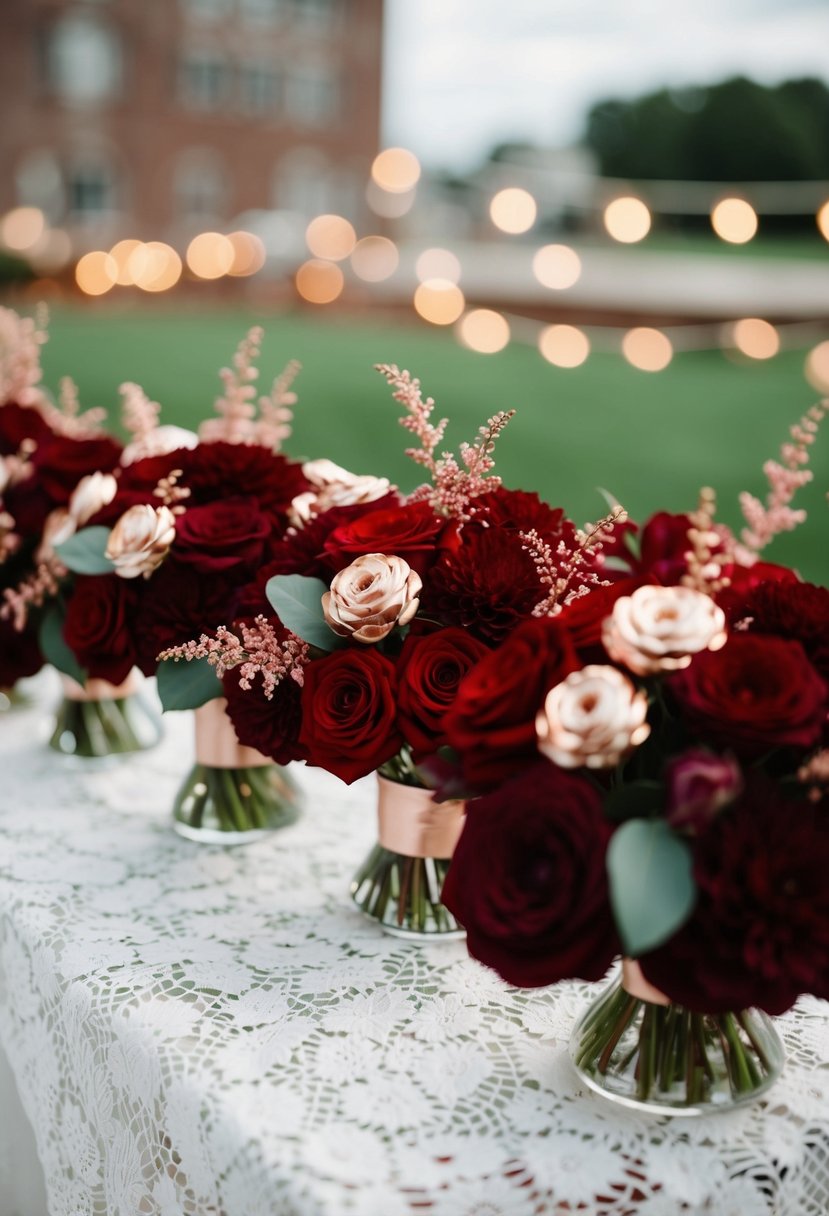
(141, 539)
(700, 784)
(594, 717)
(372, 595)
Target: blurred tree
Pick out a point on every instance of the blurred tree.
(737, 130)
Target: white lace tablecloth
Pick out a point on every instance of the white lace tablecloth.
(216, 1032)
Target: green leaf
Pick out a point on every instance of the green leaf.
(186, 684)
(297, 601)
(652, 888)
(84, 553)
(54, 648)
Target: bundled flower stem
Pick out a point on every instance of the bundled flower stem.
(257, 798)
(403, 893)
(672, 1056)
(112, 726)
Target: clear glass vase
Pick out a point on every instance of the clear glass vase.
(399, 884)
(641, 1050)
(102, 721)
(232, 794)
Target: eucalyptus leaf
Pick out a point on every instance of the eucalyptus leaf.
(186, 684)
(54, 648)
(85, 552)
(652, 889)
(297, 601)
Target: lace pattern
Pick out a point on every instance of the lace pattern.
(198, 1031)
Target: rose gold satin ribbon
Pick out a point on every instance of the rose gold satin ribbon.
(99, 690)
(412, 824)
(216, 742)
(634, 983)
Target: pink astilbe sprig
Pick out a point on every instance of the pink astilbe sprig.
(273, 426)
(20, 341)
(10, 541)
(235, 406)
(815, 774)
(32, 592)
(259, 651)
(139, 415)
(453, 488)
(568, 574)
(171, 493)
(785, 478)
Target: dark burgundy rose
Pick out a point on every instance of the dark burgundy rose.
(19, 422)
(489, 584)
(492, 721)
(19, 653)
(742, 579)
(429, 670)
(528, 881)
(97, 626)
(272, 727)
(788, 609)
(755, 694)
(60, 462)
(760, 931)
(349, 706)
(222, 535)
(410, 532)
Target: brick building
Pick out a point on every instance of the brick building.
(158, 118)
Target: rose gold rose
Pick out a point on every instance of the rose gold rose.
(158, 442)
(335, 487)
(372, 595)
(92, 492)
(593, 718)
(140, 540)
(662, 628)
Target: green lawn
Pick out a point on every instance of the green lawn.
(650, 439)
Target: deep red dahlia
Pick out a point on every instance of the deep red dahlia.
(528, 879)
(175, 606)
(272, 727)
(488, 585)
(760, 931)
(793, 610)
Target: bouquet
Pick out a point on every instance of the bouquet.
(350, 646)
(652, 763)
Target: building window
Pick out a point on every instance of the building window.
(261, 88)
(199, 185)
(82, 60)
(91, 189)
(320, 13)
(263, 12)
(312, 96)
(204, 80)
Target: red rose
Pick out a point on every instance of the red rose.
(488, 584)
(743, 579)
(662, 547)
(222, 535)
(429, 671)
(349, 703)
(492, 722)
(528, 880)
(410, 532)
(583, 617)
(19, 422)
(788, 609)
(272, 727)
(61, 462)
(97, 626)
(759, 934)
(755, 694)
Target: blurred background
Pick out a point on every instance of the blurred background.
(614, 218)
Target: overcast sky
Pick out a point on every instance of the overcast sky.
(462, 75)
